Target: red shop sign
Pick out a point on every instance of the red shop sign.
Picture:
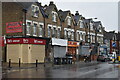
(25, 41)
(13, 27)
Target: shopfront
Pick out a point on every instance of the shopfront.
(28, 50)
(73, 48)
(59, 47)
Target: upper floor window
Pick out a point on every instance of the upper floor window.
(34, 29)
(40, 28)
(69, 34)
(54, 32)
(81, 36)
(35, 11)
(58, 32)
(65, 34)
(54, 16)
(77, 36)
(49, 31)
(81, 24)
(72, 35)
(69, 20)
(28, 28)
(91, 26)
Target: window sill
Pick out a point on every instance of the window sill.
(34, 35)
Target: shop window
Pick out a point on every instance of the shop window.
(34, 29)
(28, 28)
(41, 30)
(35, 11)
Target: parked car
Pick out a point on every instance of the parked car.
(103, 58)
(110, 57)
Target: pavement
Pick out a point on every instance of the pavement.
(39, 65)
(77, 70)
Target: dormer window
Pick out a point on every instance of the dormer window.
(54, 16)
(69, 20)
(35, 11)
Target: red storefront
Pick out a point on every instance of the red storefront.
(73, 48)
(27, 49)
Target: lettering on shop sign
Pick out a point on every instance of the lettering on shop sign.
(26, 41)
(13, 27)
(36, 41)
(13, 41)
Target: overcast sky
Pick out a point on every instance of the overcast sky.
(105, 10)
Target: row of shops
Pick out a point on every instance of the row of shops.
(30, 49)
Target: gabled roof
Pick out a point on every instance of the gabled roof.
(109, 35)
(77, 17)
(50, 8)
(63, 14)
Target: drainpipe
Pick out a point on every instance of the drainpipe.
(25, 11)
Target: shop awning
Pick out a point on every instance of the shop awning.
(59, 42)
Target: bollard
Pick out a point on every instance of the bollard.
(9, 63)
(19, 62)
(36, 62)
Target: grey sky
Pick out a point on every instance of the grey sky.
(106, 11)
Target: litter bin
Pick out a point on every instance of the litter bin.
(57, 61)
(64, 60)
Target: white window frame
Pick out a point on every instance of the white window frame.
(49, 26)
(81, 24)
(34, 22)
(42, 29)
(34, 10)
(28, 21)
(65, 33)
(54, 16)
(72, 35)
(59, 28)
(54, 30)
(69, 20)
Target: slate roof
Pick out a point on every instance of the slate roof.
(50, 8)
(63, 14)
(109, 35)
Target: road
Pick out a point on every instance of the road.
(101, 70)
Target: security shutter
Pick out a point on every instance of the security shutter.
(13, 52)
(37, 53)
(59, 51)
